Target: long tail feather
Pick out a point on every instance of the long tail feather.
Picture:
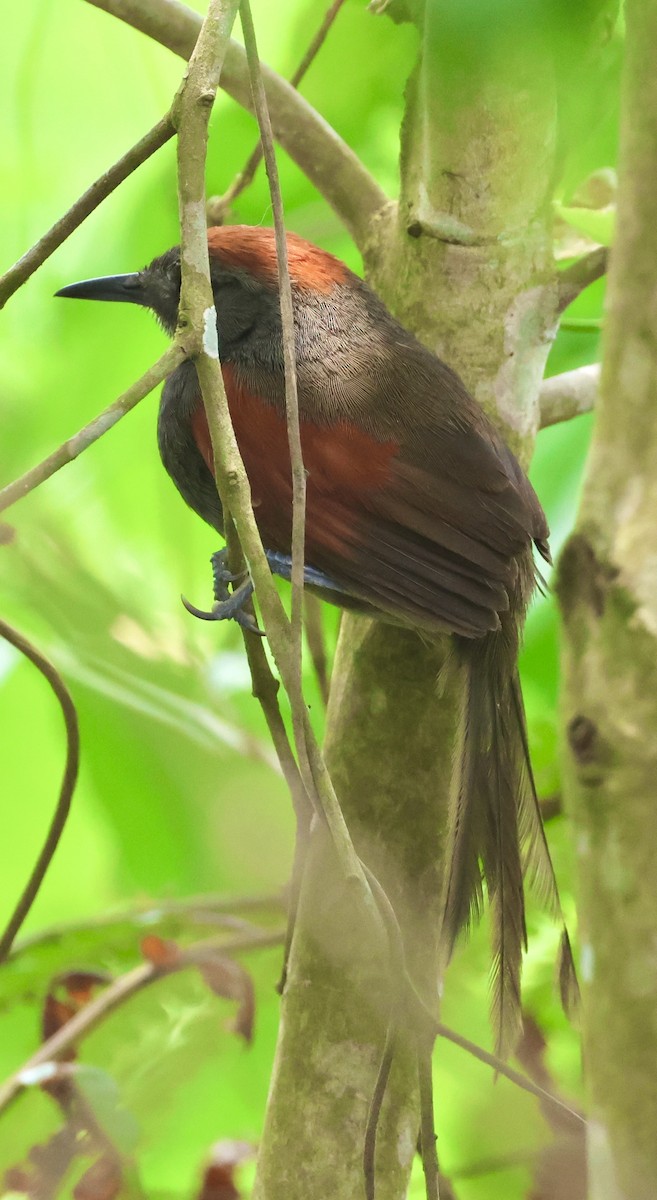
(497, 830)
(503, 865)
(464, 894)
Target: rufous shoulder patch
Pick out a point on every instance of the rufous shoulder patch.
(254, 249)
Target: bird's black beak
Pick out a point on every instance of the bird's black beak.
(129, 288)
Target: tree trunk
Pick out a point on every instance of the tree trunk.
(608, 593)
(465, 261)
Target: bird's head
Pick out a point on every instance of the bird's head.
(243, 272)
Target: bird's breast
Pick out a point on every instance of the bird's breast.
(344, 464)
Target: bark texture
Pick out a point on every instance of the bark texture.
(465, 261)
(608, 592)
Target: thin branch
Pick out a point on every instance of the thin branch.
(265, 687)
(89, 1017)
(105, 420)
(197, 308)
(376, 1104)
(192, 111)
(568, 395)
(196, 312)
(427, 1119)
(88, 201)
(316, 42)
(290, 366)
(218, 206)
(501, 1068)
(317, 149)
(580, 274)
(202, 908)
(52, 676)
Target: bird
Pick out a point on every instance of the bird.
(417, 512)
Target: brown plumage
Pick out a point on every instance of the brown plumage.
(416, 511)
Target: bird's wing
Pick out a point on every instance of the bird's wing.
(424, 521)
(434, 538)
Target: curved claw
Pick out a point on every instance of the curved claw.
(246, 621)
(228, 610)
(202, 614)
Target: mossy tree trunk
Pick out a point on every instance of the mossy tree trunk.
(608, 592)
(465, 260)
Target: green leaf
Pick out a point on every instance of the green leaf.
(596, 223)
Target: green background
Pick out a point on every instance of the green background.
(177, 792)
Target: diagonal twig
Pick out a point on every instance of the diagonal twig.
(290, 365)
(501, 1068)
(329, 163)
(205, 908)
(88, 201)
(91, 1015)
(218, 206)
(580, 274)
(70, 449)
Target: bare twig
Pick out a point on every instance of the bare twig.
(568, 395)
(290, 365)
(197, 312)
(80, 441)
(317, 149)
(67, 786)
(427, 1119)
(501, 1068)
(584, 271)
(89, 1017)
(265, 687)
(88, 201)
(197, 308)
(218, 206)
(202, 909)
(316, 42)
(376, 1105)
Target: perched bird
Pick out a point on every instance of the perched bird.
(416, 511)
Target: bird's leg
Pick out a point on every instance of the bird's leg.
(281, 565)
(221, 576)
(229, 606)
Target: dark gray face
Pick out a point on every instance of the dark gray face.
(247, 308)
(160, 288)
(242, 301)
(156, 287)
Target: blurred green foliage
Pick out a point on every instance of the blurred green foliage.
(178, 793)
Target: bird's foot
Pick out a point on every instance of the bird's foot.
(221, 576)
(228, 606)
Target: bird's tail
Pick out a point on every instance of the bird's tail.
(497, 830)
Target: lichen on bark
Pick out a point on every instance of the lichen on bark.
(608, 593)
